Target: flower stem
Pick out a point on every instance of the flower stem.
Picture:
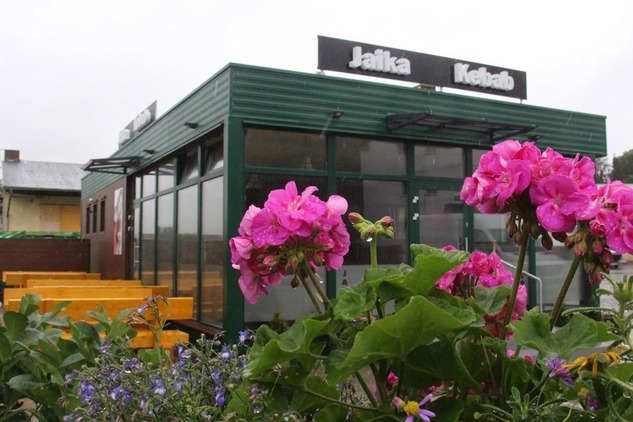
(315, 301)
(316, 281)
(517, 281)
(373, 253)
(556, 310)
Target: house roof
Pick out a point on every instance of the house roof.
(39, 175)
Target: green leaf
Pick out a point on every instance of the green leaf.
(491, 300)
(354, 301)
(15, 324)
(25, 383)
(430, 265)
(270, 349)
(305, 403)
(5, 348)
(435, 362)
(400, 283)
(621, 371)
(446, 409)
(81, 330)
(29, 304)
(331, 412)
(73, 361)
(60, 307)
(395, 336)
(580, 333)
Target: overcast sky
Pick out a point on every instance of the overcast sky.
(74, 73)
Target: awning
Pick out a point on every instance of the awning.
(116, 165)
(495, 130)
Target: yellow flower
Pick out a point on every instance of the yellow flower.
(594, 360)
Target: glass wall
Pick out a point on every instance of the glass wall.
(148, 241)
(435, 161)
(373, 199)
(181, 203)
(369, 156)
(187, 243)
(165, 240)
(213, 246)
(179, 238)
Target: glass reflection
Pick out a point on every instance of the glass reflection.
(187, 243)
(165, 240)
(148, 245)
(436, 161)
(370, 156)
(213, 244)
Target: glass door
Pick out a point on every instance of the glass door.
(440, 215)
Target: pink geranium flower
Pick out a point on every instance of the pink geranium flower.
(290, 231)
(486, 271)
(557, 198)
(620, 229)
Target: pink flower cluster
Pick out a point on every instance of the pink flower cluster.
(561, 190)
(290, 231)
(486, 271)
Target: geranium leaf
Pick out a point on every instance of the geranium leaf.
(354, 300)
(491, 300)
(431, 264)
(270, 349)
(15, 324)
(580, 333)
(621, 371)
(395, 336)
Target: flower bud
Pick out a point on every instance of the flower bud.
(581, 248)
(518, 238)
(368, 233)
(597, 247)
(398, 402)
(535, 230)
(569, 242)
(294, 283)
(606, 257)
(547, 242)
(386, 221)
(560, 236)
(355, 218)
(511, 227)
(293, 264)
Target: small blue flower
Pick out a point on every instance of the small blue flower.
(86, 392)
(226, 353)
(243, 336)
(216, 374)
(158, 387)
(219, 398)
(142, 309)
(558, 370)
(130, 364)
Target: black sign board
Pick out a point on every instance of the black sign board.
(385, 62)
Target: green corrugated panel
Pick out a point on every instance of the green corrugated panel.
(305, 101)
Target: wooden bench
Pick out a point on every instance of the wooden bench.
(14, 295)
(82, 283)
(179, 307)
(114, 300)
(18, 278)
